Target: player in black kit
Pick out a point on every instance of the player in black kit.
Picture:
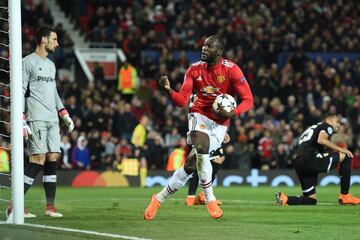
(316, 154)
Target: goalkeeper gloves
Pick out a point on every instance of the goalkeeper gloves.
(67, 119)
(26, 129)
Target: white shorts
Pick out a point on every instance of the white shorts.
(201, 123)
(45, 137)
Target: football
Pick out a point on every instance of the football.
(224, 100)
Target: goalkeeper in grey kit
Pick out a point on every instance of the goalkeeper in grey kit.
(42, 106)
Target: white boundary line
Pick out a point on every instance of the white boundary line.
(81, 231)
(258, 202)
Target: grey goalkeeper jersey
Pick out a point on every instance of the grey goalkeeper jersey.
(42, 101)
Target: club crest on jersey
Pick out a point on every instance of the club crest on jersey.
(202, 126)
(220, 78)
(209, 90)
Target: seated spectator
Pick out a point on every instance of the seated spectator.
(265, 148)
(172, 139)
(65, 147)
(108, 155)
(97, 148)
(81, 154)
(124, 148)
(356, 160)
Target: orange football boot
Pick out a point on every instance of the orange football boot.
(345, 199)
(214, 209)
(190, 201)
(281, 199)
(201, 199)
(153, 207)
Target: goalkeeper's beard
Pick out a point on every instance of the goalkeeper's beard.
(49, 50)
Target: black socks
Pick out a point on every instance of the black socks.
(300, 200)
(345, 174)
(193, 184)
(216, 167)
(49, 182)
(30, 172)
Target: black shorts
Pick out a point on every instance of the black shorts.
(308, 167)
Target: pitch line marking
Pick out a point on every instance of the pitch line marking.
(258, 202)
(111, 235)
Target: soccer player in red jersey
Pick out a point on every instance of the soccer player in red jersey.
(209, 77)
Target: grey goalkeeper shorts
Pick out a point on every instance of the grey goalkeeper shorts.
(45, 137)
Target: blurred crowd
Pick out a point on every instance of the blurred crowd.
(254, 30)
(36, 13)
(288, 97)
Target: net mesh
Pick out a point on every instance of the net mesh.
(5, 181)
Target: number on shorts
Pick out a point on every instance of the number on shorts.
(306, 136)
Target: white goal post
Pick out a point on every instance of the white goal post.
(17, 148)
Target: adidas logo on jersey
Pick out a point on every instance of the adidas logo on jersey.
(199, 78)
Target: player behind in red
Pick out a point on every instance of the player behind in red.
(209, 77)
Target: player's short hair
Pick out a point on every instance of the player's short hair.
(328, 115)
(43, 32)
(219, 41)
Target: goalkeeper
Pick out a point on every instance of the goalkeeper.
(42, 105)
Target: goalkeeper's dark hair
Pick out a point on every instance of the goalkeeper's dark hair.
(328, 115)
(219, 42)
(43, 32)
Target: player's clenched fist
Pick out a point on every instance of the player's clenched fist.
(164, 82)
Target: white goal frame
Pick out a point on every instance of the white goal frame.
(17, 141)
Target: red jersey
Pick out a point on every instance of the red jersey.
(209, 82)
(265, 147)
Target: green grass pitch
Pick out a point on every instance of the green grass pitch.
(249, 213)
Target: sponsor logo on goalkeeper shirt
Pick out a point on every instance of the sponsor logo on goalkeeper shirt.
(45, 79)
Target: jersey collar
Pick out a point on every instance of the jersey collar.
(216, 65)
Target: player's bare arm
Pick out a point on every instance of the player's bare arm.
(323, 139)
